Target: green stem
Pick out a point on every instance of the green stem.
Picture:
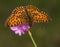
(32, 38)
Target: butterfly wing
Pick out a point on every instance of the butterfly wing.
(36, 15)
(18, 17)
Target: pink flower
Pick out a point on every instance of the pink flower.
(20, 29)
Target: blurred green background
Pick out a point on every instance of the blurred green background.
(45, 34)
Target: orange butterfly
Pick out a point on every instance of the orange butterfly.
(26, 15)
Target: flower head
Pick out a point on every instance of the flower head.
(20, 29)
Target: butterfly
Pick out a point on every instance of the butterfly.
(26, 15)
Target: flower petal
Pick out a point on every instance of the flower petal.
(20, 29)
(14, 28)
